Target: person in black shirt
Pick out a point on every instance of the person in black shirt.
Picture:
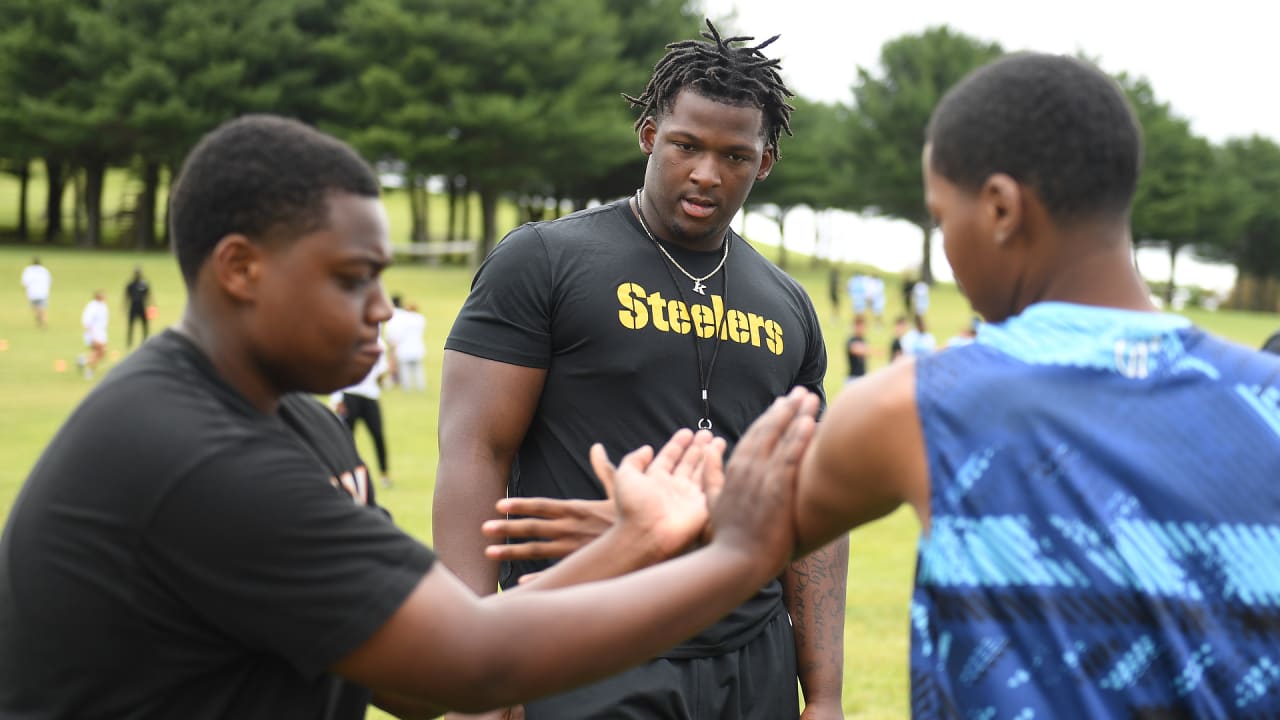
(206, 558)
(857, 348)
(650, 303)
(136, 294)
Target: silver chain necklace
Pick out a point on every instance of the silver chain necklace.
(698, 287)
(704, 378)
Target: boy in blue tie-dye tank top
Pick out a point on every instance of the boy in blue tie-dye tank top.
(1098, 483)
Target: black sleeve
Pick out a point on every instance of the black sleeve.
(259, 544)
(814, 369)
(507, 316)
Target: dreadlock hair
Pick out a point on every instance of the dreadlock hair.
(740, 76)
(260, 175)
(1055, 123)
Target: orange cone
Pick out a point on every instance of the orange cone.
(59, 365)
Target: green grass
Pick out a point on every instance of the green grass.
(37, 399)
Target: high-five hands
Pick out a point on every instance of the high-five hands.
(671, 494)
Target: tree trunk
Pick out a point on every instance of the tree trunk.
(77, 207)
(466, 209)
(489, 221)
(423, 181)
(24, 180)
(781, 219)
(926, 264)
(144, 216)
(56, 176)
(451, 223)
(1174, 249)
(94, 174)
(164, 226)
(417, 233)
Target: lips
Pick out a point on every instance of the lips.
(697, 207)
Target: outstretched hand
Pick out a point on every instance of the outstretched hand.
(752, 501)
(662, 496)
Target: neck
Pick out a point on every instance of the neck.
(659, 229)
(1087, 270)
(231, 358)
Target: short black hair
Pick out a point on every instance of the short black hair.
(258, 175)
(1054, 123)
(740, 76)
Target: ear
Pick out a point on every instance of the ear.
(767, 160)
(236, 262)
(1002, 198)
(648, 135)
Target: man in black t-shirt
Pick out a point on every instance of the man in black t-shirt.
(136, 295)
(857, 349)
(220, 555)
(623, 323)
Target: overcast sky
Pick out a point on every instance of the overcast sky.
(1214, 62)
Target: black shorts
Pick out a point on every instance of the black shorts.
(754, 682)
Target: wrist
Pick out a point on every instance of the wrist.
(633, 546)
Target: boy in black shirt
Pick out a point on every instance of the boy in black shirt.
(206, 559)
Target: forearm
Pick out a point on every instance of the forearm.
(464, 498)
(592, 631)
(615, 553)
(814, 591)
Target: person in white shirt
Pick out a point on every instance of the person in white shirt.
(94, 322)
(404, 334)
(37, 280)
(875, 297)
(920, 298)
(918, 341)
(360, 402)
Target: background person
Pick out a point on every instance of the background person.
(93, 322)
(137, 295)
(360, 403)
(37, 282)
(404, 333)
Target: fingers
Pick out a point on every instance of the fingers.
(637, 459)
(674, 451)
(519, 529)
(694, 456)
(713, 468)
(536, 507)
(603, 468)
(530, 577)
(548, 550)
(769, 427)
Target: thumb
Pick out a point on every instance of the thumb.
(603, 468)
(713, 469)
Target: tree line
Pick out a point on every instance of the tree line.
(518, 100)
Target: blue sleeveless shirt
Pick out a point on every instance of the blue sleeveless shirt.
(1105, 534)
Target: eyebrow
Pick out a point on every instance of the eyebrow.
(683, 135)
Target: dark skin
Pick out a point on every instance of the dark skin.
(301, 313)
(1008, 253)
(704, 158)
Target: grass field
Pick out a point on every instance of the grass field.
(36, 399)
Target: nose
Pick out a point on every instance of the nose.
(706, 170)
(379, 308)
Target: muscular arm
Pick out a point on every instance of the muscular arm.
(814, 592)
(445, 646)
(867, 458)
(485, 410)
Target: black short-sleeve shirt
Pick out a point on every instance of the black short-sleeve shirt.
(177, 554)
(592, 300)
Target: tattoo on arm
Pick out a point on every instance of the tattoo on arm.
(816, 588)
